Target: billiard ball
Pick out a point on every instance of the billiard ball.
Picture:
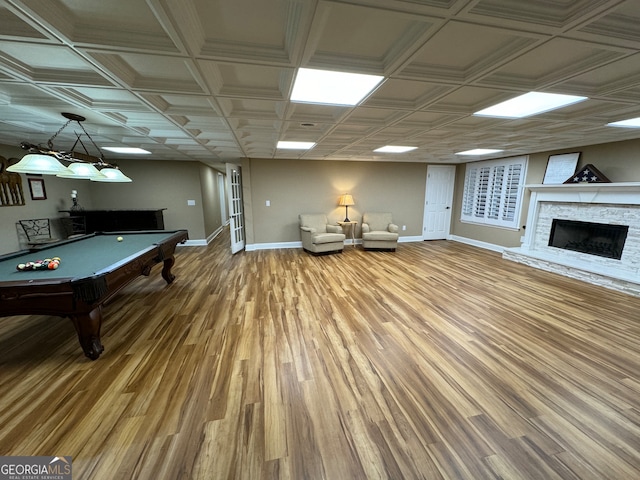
(119, 239)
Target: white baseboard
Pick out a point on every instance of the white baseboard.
(478, 243)
(414, 238)
(202, 242)
(275, 245)
(194, 243)
(217, 232)
(271, 246)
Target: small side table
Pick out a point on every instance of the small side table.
(352, 227)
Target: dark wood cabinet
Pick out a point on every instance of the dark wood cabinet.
(120, 220)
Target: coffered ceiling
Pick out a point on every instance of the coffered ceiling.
(209, 80)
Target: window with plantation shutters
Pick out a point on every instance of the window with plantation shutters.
(493, 192)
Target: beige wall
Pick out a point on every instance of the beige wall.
(304, 186)
(211, 207)
(619, 161)
(158, 184)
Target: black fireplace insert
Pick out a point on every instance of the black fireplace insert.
(600, 239)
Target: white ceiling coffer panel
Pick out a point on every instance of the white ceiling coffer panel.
(14, 26)
(247, 81)
(610, 80)
(406, 94)
(266, 32)
(551, 63)
(363, 40)
(557, 14)
(140, 72)
(462, 52)
(95, 23)
(619, 27)
(48, 64)
(211, 80)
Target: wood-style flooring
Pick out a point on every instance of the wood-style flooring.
(438, 361)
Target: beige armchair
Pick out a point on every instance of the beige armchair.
(379, 232)
(318, 236)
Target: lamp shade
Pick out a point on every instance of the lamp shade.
(81, 171)
(346, 200)
(38, 163)
(111, 175)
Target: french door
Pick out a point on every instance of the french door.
(236, 214)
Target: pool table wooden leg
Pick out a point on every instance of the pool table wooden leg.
(88, 328)
(166, 269)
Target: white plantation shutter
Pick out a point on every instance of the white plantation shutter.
(493, 192)
(512, 192)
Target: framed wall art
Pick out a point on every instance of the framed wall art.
(36, 188)
(560, 168)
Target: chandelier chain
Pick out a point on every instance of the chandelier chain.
(50, 141)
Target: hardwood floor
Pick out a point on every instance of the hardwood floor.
(438, 361)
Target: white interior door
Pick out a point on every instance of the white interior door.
(438, 202)
(236, 214)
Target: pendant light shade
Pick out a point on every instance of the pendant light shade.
(84, 171)
(39, 164)
(111, 175)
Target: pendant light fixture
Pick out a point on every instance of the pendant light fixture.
(49, 161)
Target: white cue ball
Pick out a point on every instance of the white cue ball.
(119, 239)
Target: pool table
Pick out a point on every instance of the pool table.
(92, 269)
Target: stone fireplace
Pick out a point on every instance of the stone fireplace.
(589, 231)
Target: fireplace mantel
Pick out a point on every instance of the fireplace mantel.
(613, 203)
(618, 193)
(587, 187)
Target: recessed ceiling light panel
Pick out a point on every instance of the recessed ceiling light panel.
(295, 145)
(332, 88)
(531, 103)
(631, 123)
(479, 151)
(129, 150)
(394, 149)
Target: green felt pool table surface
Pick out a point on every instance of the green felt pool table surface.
(92, 269)
(82, 258)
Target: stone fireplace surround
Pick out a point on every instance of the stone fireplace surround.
(608, 203)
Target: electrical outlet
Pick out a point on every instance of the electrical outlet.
(268, 203)
(191, 203)
(404, 227)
